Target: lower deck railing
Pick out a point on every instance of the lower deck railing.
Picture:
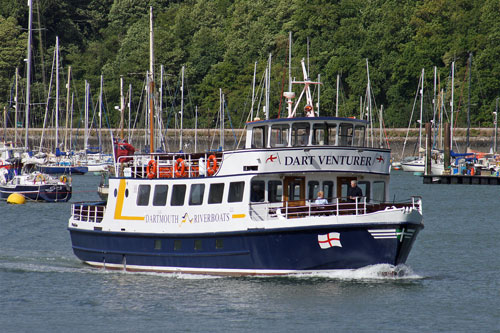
(291, 210)
(88, 212)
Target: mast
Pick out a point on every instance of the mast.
(319, 92)
(268, 85)
(57, 94)
(129, 108)
(86, 134)
(182, 107)
(381, 119)
(122, 107)
(67, 109)
(151, 82)
(337, 98)
(100, 116)
(421, 113)
(16, 109)
(452, 99)
(468, 102)
(496, 127)
(196, 129)
(28, 76)
(253, 90)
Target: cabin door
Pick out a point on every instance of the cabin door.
(343, 183)
(294, 191)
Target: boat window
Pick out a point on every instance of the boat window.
(300, 134)
(279, 135)
(379, 191)
(215, 193)
(219, 243)
(178, 194)
(198, 244)
(359, 135)
(143, 195)
(275, 191)
(157, 244)
(345, 134)
(365, 187)
(312, 189)
(177, 245)
(236, 192)
(259, 137)
(258, 191)
(332, 134)
(320, 137)
(160, 196)
(196, 195)
(328, 190)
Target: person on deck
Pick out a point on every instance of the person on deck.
(320, 200)
(354, 192)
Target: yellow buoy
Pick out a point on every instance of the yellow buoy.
(16, 198)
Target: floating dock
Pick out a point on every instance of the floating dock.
(461, 179)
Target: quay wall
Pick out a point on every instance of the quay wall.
(481, 139)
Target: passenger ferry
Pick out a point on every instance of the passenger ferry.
(252, 211)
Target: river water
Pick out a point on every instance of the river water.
(451, 281)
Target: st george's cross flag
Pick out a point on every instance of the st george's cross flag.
(329, 240)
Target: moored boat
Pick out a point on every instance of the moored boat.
(35, 186)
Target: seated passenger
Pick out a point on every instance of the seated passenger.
(320, 200)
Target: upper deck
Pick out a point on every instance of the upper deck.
(306, 132)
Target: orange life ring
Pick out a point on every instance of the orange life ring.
(151, 169)
(180, 168)
(211, 165)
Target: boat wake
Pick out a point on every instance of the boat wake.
(380, 272)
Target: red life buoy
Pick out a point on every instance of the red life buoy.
(180, 168)
(211, 165)
(151, 169)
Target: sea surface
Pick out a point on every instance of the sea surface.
(450, 283)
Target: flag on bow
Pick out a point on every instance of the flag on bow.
(329, 240)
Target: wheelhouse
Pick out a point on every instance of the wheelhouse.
(303, 132)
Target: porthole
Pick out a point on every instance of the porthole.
(116, 192)
(126, 193)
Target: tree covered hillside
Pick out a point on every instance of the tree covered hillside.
(218, 42)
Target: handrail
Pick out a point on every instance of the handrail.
(195, 164)
(88, 213)
(336, 208)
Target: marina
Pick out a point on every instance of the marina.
(447, 275)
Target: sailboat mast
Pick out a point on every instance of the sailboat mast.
(100, 116)
(86, 134)
(337, 97)
(253, 90)
(468, 102)
(129, 108)
(421, 113)
(16, 109)
(182, 107)
(57, 94)
(28, 75)
(67, 109)
(452, 99)
(151, 82)
(122, 107)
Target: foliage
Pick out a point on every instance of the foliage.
(219, 41)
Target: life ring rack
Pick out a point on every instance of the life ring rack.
(180, 168)
(212, 165)
(151, 169)
(63, 179)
